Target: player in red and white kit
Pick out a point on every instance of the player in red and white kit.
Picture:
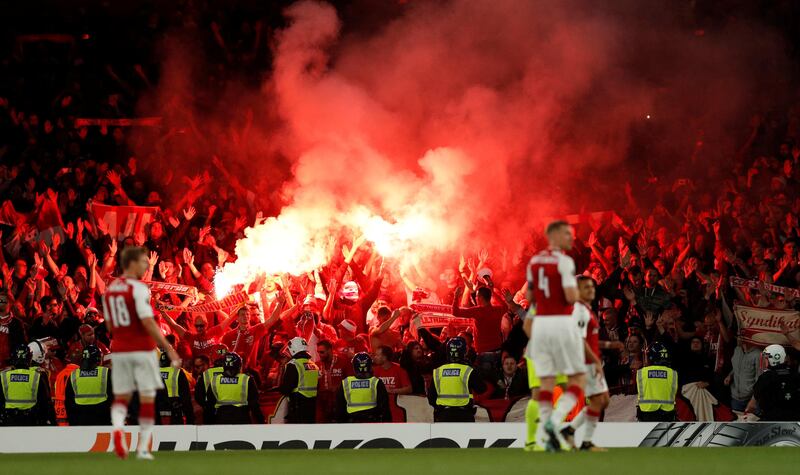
(129, 318)
(596, 386)
(555, 343)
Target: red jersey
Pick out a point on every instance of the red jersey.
(245, 343)
(589, 326)
(204, 343)
(549, 273)
(332, 374)
(393, 378)
(125, 303)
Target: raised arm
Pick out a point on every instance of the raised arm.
(175, 326)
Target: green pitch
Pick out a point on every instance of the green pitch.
(672, 461)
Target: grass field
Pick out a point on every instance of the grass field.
(672, 461)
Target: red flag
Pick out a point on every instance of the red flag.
(124, 221)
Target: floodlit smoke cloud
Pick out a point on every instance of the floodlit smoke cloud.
(458, 124)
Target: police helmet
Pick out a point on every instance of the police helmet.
(218, 355)
(456, 349)
(22, 357)
(91, 357)
(231, 364)
(297, 345)
(362, 365)
(775, 355)
(163, 359)
(657, 354)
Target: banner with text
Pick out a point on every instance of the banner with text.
(764, 326)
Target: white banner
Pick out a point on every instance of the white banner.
(408, 435)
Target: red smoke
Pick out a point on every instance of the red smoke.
(466, 122)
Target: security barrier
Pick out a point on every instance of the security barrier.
(408, 436)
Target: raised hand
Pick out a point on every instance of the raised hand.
(239, 223)
(139, 238)
(114, 178)
(189, 213)
(153, 258)
(69, 230)
(79, 224)
(204, 231)
(222, 256)
(462, 263)
(592, 239)
(483, 257)
(102, 226)
(188, 258)
(91, 260)
(56, 240)
(162, 270)
(112, 248)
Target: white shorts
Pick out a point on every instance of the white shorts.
(135, 371)
(556, 346)
(595, 384)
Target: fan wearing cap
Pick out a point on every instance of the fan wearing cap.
(299, 383)
(349, 342)
(89, 393)
(777, 390)
(25, 395)
(362, 397)
(234, 394)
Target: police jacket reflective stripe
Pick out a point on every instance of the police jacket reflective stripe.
(657, 387)
(208, 375)
(230, 390)
(170, 377)
(452, 385)
(307, 377)
(90, 386)
(20, 388)
(360, 394)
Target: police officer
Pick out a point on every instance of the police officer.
(299, 383)
(25, 396)
(88, 395)
(234, 394)
(174, 402)
(203, 384)
(777, 390)
(657, 386)
(453, 385)
(363, 397)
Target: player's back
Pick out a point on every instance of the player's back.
(125, 303)
(548, 272)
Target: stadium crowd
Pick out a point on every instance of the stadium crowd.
(662, 259)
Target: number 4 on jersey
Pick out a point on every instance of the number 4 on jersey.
(543, 283)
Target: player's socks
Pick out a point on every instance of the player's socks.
(146, 419)
(119, 411)
(592, 418)
(532, 419)
(579, 420)
(545, 415)
(565, 404)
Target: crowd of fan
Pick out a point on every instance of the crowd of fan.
(661, 261)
